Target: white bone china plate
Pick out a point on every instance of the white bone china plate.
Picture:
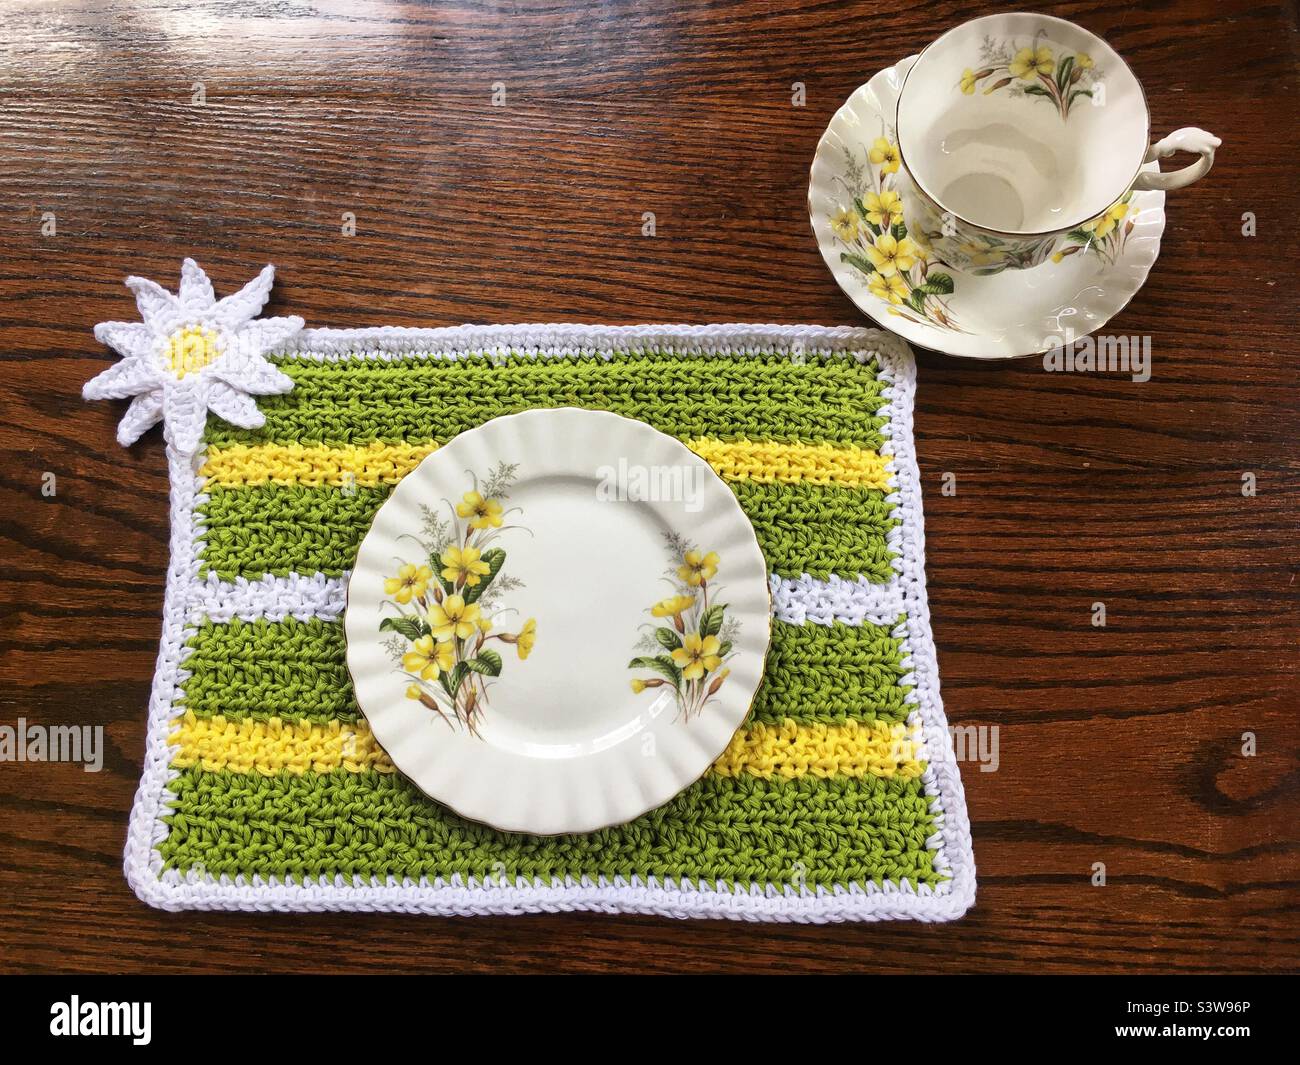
(557, 621)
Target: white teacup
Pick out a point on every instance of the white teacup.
(1015, 130)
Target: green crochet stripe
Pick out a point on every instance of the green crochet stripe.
(280, 529)
(820, 529)
(832, 673)
(736, 829)
(262, 669)
(295, 670)
(760, 397)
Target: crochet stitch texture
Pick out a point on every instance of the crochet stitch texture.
(839, 799)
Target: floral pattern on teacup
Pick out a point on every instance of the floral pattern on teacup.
(984, 254)
(1035, 70)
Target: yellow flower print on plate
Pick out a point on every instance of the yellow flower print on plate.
(443, 633)
(500, 683)
(687, 656)
(697, 655)
(673, 606)
(463, 565)
(427, 658)
(697, 567)
(482, 513)
(410, 583)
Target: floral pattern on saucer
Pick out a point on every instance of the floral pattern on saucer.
(991, 313)
(1105, 236)
(899, 269)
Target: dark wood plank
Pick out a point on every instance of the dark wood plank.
(1118, 745)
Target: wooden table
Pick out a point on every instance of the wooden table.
(243, 133)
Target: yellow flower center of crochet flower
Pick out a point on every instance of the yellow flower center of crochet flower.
(190, 349)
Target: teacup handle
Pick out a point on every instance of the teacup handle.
(1188, 139)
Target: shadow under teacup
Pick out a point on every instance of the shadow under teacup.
(1016, 130)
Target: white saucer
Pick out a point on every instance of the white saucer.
(557, 621)
(997, 316)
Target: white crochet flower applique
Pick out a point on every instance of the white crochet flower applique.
(192, 353)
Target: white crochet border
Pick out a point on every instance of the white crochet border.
(951, 842)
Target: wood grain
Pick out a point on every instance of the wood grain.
(1118, 745)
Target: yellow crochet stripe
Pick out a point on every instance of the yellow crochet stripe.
(318, 465)
(853, 749)
(276, 746)
(757, 460)
(369, 465)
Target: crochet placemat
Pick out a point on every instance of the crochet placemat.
(263, 789)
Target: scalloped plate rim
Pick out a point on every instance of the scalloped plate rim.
(756, 628)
